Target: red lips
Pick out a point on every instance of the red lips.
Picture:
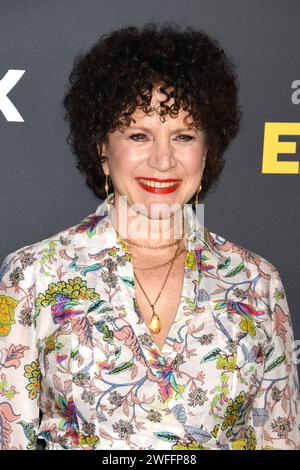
(158, 180)
(151, 189)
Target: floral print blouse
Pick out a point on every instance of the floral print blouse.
(80, 370)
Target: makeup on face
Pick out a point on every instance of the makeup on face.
(158, 185)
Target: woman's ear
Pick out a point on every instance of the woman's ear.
(102, 152)
(101, 146)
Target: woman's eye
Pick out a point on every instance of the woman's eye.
(134, 137)
(189, 137)
(139, 137)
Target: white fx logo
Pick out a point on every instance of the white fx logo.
(6, 106)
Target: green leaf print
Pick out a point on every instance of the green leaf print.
(276, 362)
(270, 352)
(95, 305)
(103, 328)
(106, 310)
(128, 280)
(211, 356)
(224, 264)
(121, 367)
(236, 270)
(190, 304)
(117, 353)
(167, 436)
(74, 352)
(220, 305)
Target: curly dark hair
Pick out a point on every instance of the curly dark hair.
(118, 75)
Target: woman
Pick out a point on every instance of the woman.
(138, 328)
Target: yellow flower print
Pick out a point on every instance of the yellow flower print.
(128, 257)
(193, 445)
(33, 374)
(248, 326)
(89, 440)
(251, 438)
(227, 362)
(190, 261)
(249, 443)
(239, 444)
(215, 430)
(112, 251)
(233, 412)
(123, 245)
(7, 314)
(75, 289)
(49, 345)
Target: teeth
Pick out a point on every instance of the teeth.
(155, 184)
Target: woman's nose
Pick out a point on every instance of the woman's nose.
(162, 155)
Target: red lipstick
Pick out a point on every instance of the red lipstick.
(158, 180)
(153, 190)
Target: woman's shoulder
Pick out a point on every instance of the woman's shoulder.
(246, 278)
(41, 249)
(234, 260)
(59, 249)
(43, 252)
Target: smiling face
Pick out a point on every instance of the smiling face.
(155, 162)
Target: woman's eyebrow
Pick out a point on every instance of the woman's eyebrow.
(146, 129)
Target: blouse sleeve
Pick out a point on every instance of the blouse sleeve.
(276, 408)
(19, 364)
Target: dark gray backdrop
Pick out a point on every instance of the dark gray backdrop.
(43, 193)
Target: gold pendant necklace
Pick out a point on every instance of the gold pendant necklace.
(154, 324)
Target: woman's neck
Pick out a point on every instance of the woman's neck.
(143, 230)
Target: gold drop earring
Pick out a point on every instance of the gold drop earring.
(196, 197)
(107, 191)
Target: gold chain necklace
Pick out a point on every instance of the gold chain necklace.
(157, 266)
(154, 325)
(130, 242)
